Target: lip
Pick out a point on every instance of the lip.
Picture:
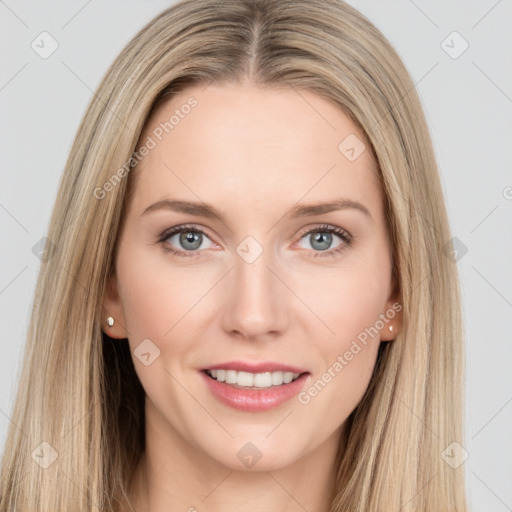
(254, 400)
(262, 367)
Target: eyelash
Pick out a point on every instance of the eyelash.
(344, 235)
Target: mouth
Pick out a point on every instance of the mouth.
(252, 381)
(254, 387)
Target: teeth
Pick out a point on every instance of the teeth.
(277, 378)
(258, 380)
(245, 379)
(263, 380)
(231, 377)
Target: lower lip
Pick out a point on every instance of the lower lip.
(254, 400)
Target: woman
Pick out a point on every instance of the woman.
(248, 303)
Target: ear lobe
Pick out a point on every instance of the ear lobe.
(392, 316)
(112, 307)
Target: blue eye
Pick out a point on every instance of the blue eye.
(321, 238)
(191, 238)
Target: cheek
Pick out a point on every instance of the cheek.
(349, 303)
(347, 300)
(155, 294)
(346, 356)
(158, 300)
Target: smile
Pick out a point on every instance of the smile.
(267, 386)
(252, 380)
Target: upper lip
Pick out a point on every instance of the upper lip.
(252, 367)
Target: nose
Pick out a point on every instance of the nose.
(256, 303)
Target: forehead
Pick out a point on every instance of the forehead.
(245, 145)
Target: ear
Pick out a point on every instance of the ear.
(112, 307)
(392, 315)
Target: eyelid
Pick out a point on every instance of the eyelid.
(182, 227)
(327, 227)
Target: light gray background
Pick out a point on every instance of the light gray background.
(468, 102)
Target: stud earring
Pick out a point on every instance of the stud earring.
(110, 321)
(391, 328)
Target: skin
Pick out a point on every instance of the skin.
(252, 153)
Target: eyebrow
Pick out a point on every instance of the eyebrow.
(298, 211)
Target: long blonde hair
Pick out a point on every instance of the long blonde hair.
(81, 395)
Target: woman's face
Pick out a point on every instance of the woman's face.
(228, 261)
